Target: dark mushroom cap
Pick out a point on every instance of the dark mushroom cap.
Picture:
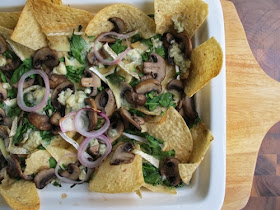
(189, 109)
(170, 170)
(44, 177)
(45, 56)
(27, 83)
(123, 154)
(42, 122)
(175, 85)
(55, 118)
(3, 164)
(148, 86)
(90, 79)
(119, 25)
(156, 67)
(116, 128)
(56, 80)
(105, 101)
(136, 99)
(2, 115)
(73, 172)
(92, 115)
(94, 151)
(57, 90)
(134, 120)
(3, 93)
(14, 168)
(3, 45)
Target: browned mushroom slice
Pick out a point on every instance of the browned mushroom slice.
(11, 64)
(92, 59)
(14, 168)
(42, 122)
(119, 25)
(92, 115)
(94, 151)
(44, 177)
(90, 79)
(170, 170)
(105, 101)
(57, 90)
(185, 43)
(55, 118)
(3, 93)
(123, 154)
(189, 109)
(175, 85)
(3, 45)
(147, 86)
(134, 120)
(156, 67)
(2, 115)
(107, 39)
(45, 56)
(116, 129)
(136, 99)
(72, 172)
(56, 80)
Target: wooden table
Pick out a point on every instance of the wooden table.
(253, 106)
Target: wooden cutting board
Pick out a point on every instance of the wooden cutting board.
(253, 106)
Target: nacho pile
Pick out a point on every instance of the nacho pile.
(106, 99)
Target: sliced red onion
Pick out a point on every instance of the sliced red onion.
(137, 138)
(83, 156)
(120, 56)
(20, 101)
(82, 129)
(69, 140)
(67, 122)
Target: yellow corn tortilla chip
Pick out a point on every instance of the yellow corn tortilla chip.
(37, 161)
(189, 15)
(27, 31)
(9, 19)
(134, 18)
(20, 194)
(202, 139)
(59, 20)
(160, 188)
(173, 130)
(207, 61)
(123, 178)
(21, 51)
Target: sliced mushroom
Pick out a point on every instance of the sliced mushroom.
(73, 172)
(119, 25)
(45, 56)
(105, 101)
(94, 151)
(116, 129)
(44, 177)
(3, 163)
(42, 122)
(175, 84)
(134, 120)
(92, 59)
(135, 99)
(148, 86)
(92, 115)
(91, 80)
(156, 67)
(11, 64)
(3, 45)
(55, 118)
(107, 39)
(57, 90)
(56, 80)
(123, 154)
(2, 116)
(170, 170)
(14, 168)
(185, 43)
(189, 109)
(27, 83)
(3, 93)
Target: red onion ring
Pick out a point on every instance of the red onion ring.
(82, 130)
(67, 122)
(20, 101)
(120, 57)
(82, 155)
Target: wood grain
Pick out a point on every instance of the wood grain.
(252, 108)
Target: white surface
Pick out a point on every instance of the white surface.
(207, 187)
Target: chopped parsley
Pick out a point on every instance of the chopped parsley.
(138, 113)
(9, 54)
(12, 93)
(46, 136)
(52, 162)
(26, 66)
(22, 129)
(151, 174)
(78, 47)
(117, 47)
(49, 109)
(73, 74)
(165, 100)
(3, 78)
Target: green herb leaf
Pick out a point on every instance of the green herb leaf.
(9, 54)
(26, 66)
(52, 162)
(3, 78)
(165, 100)
(115, 78)
(138, 113)
(78, 47)
(22, 129)
(151, 174)
(117, 47)
(49, 109)
(61, 59)
(101, 88)
(40, 147)
(160, 51)
(12, 93)
(134, 82)
(136, 38)
(73, 74)
(13, 111)
(46, 136)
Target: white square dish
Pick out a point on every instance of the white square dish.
(207, 187)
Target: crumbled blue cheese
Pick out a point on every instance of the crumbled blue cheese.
(93, 142)
(113, 132)
(64, 95)
(33, 141)
(156, 42)
(134, 55)
(3, 60)
(76, 101)
(88, 90)
(102, 149)
(7, 86)
(36, 96)
(60, 69)
(179, 22)
(176, 53)
(83, 173)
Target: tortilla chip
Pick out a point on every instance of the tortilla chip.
(160, 188)
(134, 18)
(9, 19)
(59, 20)
(189, 13)
(27, 31)
(186, 171)
(20, 194)
(139, 193)
(59, 43)
(37, 161)
(207, 61)
(123, 178)
(173, 130)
